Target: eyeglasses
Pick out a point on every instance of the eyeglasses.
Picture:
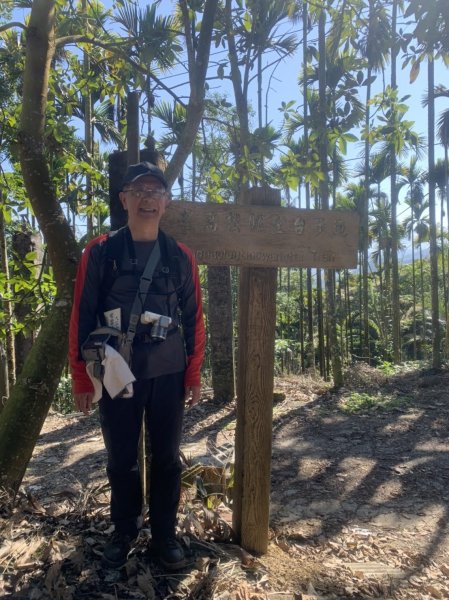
(141, 193)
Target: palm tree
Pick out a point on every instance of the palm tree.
(394, 200)
(251, 35)
(154, 41)
(396, 138)
(432, 25)
(436, 351)
(432, 34)
(373, 46)
(173, 118)
(413, 176)
(439, 178)
(380, 230)
(354, 198)
(443, 137)
(264, 37)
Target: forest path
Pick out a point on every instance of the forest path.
(360, 495)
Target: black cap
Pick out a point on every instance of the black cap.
(141, 169)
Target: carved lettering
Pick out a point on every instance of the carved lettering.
(319, 226)
(211, 222)
(277, 222)
(249, 236)
(340, 228)
(233, 221)
(256, 222)
(186, 219)
(299, 225)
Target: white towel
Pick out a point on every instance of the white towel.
(117, 378)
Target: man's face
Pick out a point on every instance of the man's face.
(145, 200)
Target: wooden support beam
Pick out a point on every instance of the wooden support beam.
(257, 320)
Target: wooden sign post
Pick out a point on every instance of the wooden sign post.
(259, 236)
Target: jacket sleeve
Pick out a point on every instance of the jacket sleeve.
(83, 319)
(192, 320)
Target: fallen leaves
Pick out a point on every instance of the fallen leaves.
(50, 548)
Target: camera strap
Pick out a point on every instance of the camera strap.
(139, 300)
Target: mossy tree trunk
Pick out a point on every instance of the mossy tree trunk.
(24, 414)
(22, 418)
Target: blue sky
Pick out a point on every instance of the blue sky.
(284, 87)
(284, 84)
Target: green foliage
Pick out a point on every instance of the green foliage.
(63, 400)
(286, 354)
(361, 402)
(386, 367)
(30, 284)
(393, 133)
(431, 26)
(358, 402)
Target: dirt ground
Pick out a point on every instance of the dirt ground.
(359, 502)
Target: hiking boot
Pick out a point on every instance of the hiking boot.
(116, 552)
(169, 553)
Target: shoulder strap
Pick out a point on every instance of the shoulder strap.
(139, 300)
(170, 257)
(114, 251)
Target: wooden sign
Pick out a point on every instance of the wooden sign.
(264, 236)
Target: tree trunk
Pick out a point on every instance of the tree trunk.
(301, 322)
(198, 60)
(446, 191)
(436, 334)
(364, 229)
(423, 309)
(221, 332)
(331, 324)
(310, 347)
(241, 100)
(132, 129)
(349, 321)
(395, 291)
(8, 354)
(24, 414)
(412, 228)
(443, 264)
(88, 132)
(320, 323)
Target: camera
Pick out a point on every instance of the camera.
(160, 325)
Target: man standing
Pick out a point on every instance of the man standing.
(167, 371)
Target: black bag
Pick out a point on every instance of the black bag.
(93, 349)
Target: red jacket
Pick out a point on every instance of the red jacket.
(174, 291)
